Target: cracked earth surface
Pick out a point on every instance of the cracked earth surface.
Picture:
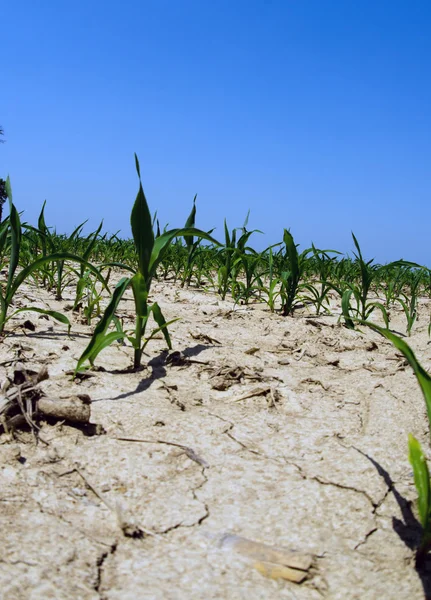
(287, 431)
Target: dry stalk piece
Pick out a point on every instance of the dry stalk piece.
(260, 391)
(203, 337)
(252, 351)
(76, 409)
(273, 571)
(271, 561)
(190, 453)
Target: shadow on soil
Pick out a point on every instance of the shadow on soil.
(408, 529)
(158, 370)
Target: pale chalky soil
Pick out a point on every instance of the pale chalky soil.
(301, 444)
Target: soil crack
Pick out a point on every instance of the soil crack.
(333, 483)
(202, 518)
(100, 564)
(229, 434)
(367, 535)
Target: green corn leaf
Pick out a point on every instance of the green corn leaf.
(226, 234)
(158, 330)
(244, 227)
(422, 480)
(76, 232)
(40, 262)
(98, 340)
(119, 265)
(138, 168)
(162, 244)
(92, 238)
(190, 223)
(15, 234)
(102, 342)
(140, 294)
(161, 322)
(43, 229)
(292, 253)
(142, 228)
(372, 305)
(345, 307)
(51, 313)
(4, 230)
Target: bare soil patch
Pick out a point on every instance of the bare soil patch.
(286, 432)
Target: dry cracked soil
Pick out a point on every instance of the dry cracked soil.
(289, 432)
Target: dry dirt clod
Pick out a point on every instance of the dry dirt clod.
(29, 325)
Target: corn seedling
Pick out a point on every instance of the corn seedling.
(360, 291)
(193, 247)
(318, 293)
(150, 251)
(53, 243)
(409, 301)
(271, 291)
(291, 286)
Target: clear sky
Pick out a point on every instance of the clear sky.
(315, 114)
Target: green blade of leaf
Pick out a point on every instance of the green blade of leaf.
(422, 480)
(142, 228)
(161, 322)
(102, 342)
(140, 294)
(292, 253)
(97, 341)
(92, 241)
(50, 313)
(58, 257)
(162, 243)
(15, 234)
(345, 307)
(190, 223)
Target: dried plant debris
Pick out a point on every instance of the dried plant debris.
(203, 337)
(23, 403)
(271, 561)
(181, 359)
(227, 376)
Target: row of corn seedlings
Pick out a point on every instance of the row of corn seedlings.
(283, 278)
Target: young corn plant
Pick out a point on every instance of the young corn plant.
(416, 456)
(291, 286)
(88, 296)
(409, 301)
(390, 285)
(271, 291)
(54, 272)
(249, 263)
(224, 271)
(361, 291)
(193, 247)
(318, 294)
(229, 259)
(290, 279)
(150, 251)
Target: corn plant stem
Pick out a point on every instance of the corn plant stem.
(138, 338)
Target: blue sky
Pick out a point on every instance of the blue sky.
(314, 114)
